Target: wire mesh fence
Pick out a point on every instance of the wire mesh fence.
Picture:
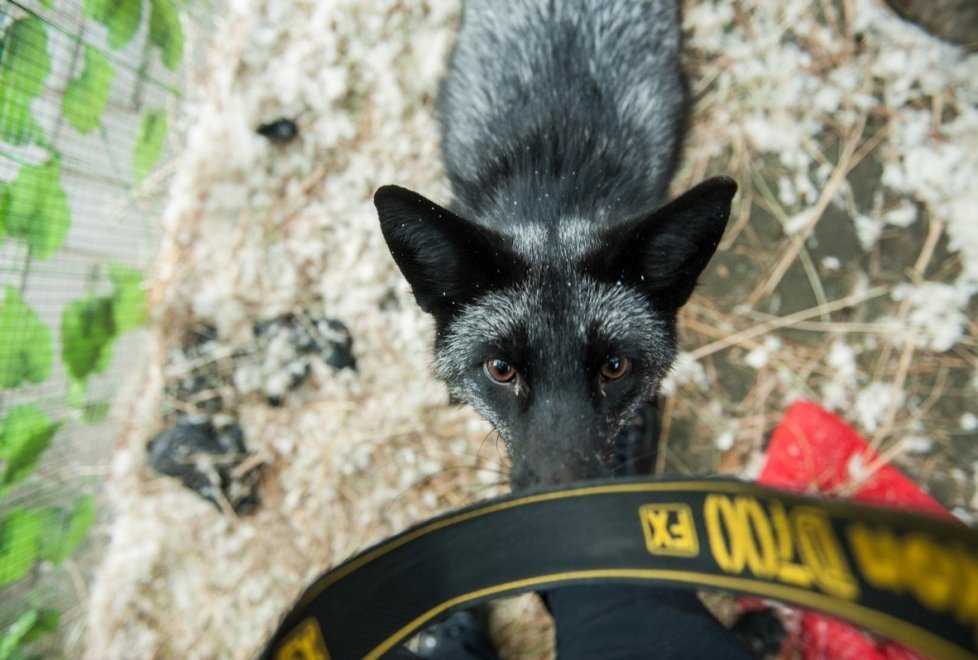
(85, 89)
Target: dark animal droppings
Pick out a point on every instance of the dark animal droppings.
(201, 388)
(280, 131)
(285, 350)
(328, 338)
(205, 459)
(340, 352)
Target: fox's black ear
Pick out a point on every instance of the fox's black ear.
(665, 251)
(447, 260)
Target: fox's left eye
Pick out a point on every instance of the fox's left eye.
(614, 367)
(500, 370)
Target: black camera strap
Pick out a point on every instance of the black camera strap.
(910, 578)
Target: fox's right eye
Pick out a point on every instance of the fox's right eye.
(500, 370)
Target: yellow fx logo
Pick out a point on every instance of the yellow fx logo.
(669, 529)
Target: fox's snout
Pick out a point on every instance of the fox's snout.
(560, 449)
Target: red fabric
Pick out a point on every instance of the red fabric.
(814, 451)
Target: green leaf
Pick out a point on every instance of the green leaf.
(46, 622)
(31, 626)
(63, 530)
(82, 518)
(129, 298)
(23, 70)
(38, 208)
(25, 343)
(96, 9)
(17, 124)
(18, 545)
(87, 330)
(149, 144)
(25, 434)
(13, 638)
(123, 21)
(86, 96)
(25, 57)
(121, 17)
(165, 32)
(11, 650)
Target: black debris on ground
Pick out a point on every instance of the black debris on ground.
(202, 384)
(214, 463)
(289, 343)
(279, 131)
(210, 377)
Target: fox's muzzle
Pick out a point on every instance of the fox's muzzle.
(553, 454)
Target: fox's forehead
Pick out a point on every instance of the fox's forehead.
(565, 308)
(567, 241)
(553, 318)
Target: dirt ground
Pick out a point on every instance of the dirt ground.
(846, 276)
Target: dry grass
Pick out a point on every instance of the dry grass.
(724, 328)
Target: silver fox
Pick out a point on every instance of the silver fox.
(555, 274)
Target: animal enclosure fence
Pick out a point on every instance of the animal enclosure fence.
(86, 90)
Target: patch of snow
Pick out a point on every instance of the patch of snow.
(872, 403)
(868, 229)
(831, 263)
(856, 468)
(936, 313)
(724, 441)
(903, 215)
(915, 444)
(795, 223)
(968, 422)
(685, 370)
(837, 391)
(759, 357)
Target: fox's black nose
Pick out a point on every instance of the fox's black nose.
(555, 470)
